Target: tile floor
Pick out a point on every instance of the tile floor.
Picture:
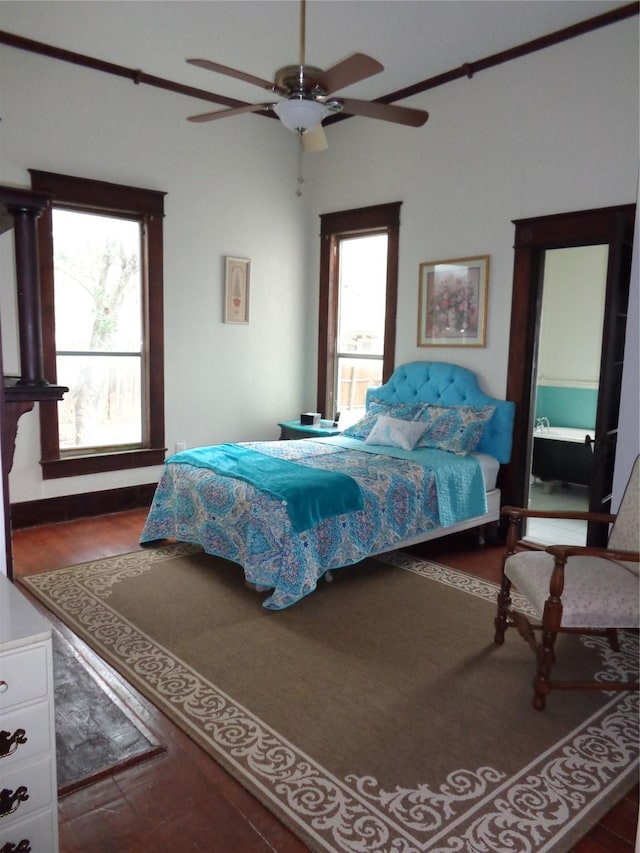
(557, 496)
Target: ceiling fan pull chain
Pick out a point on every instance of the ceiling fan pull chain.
(300, 177)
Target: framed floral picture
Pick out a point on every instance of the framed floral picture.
(236, 290)
(452, 302)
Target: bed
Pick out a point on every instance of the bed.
(422, 462)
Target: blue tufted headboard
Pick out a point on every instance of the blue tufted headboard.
(446, 384)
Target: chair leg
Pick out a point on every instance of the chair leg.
(504, 603)
(546, 659)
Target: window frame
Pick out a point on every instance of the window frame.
(147, 207)
(381, 218)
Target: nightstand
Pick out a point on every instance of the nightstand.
(294, 429)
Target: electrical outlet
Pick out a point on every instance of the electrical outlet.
(180, 445)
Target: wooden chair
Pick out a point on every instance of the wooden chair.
(572, 589)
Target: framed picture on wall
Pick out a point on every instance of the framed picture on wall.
(236, 290)
(452, 302)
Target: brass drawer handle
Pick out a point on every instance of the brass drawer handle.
(23, 846)
(10, 800)
(10, 742)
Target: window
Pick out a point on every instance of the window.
(100, 249)
(358, 295)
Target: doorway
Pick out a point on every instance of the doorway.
(607, 227)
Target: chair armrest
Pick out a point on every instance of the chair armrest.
(566, 551)
(515, 513)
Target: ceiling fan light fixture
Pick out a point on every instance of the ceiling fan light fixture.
(300, 114)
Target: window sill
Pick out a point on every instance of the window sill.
(100, 463)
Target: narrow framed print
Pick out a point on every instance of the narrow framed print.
(452, 302)
(236, 290)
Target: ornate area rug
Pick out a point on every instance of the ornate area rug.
(374, 715)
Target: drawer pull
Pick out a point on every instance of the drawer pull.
(23, 846)
(3, 689)
(10, 800)
(10, 742)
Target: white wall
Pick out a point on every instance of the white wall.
(629, 423)
(574, 287)
(230, 191)
(552, 132)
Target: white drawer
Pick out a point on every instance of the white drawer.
(37, 778)
(40, 830)
(34, 720)
(23, 676)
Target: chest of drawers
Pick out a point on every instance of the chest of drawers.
(28, 800)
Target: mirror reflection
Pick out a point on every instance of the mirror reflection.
(566, 389)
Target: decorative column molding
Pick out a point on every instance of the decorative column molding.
(25, 219)
(20, 210)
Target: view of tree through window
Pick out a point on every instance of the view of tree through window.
(361, 321)
(357, 306)
(100, 248)
(98, 331)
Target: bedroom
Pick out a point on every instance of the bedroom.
(499, 147)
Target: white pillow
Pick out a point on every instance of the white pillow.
(393, 432)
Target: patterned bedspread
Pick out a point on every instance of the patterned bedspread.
(230, 518)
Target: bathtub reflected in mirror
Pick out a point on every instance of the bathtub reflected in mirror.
(566, 389)
(561, 471)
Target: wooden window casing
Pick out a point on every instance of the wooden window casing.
(383, 218)
(147, 207)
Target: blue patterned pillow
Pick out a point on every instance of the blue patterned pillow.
(455, 428)
(402, 411)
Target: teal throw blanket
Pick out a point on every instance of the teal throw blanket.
(310, 494)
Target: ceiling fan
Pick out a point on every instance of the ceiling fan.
(308, 94)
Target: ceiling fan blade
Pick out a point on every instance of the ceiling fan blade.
(351, 70)
(314, 140)
(385, 112)
(232, 72)
(233, 111)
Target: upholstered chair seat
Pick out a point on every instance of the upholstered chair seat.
(598, 593)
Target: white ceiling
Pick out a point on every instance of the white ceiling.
(414, 39)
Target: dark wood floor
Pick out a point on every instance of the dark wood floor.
(182, 800)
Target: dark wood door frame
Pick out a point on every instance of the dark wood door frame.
(612, 226)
